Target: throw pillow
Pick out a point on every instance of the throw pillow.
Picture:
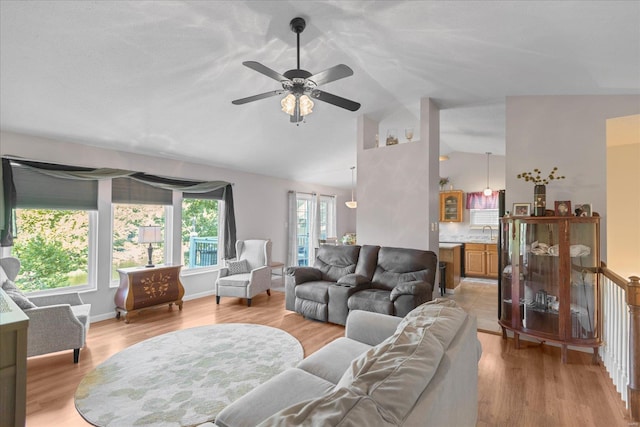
(237, 267)
(17, 295)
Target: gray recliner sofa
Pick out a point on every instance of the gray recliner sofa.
(384, 280)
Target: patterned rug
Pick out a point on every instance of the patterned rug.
(184, 378)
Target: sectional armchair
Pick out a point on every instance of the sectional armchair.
(385, 280)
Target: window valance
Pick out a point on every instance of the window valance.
(478, 200)
(43, 180)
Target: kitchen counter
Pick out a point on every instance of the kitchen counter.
(449, 245)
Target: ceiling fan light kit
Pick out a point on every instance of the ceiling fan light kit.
(300, 85)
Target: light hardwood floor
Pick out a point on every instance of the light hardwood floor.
(525, 387)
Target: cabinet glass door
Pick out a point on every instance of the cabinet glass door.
(583, 252)
(506, 269)
(540, 268)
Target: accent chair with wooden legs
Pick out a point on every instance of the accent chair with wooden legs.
(249, 274)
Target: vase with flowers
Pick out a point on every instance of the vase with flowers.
(540, 187)
(443, 182)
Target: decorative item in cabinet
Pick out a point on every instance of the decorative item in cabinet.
(550, 280)
(451, 206)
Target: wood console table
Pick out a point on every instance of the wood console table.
(141, 288)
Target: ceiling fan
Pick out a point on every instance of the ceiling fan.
(300, 85)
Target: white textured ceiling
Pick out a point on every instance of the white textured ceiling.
(158, 77)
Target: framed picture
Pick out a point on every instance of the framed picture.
(521, 209)
(563, 208)
(583, 209)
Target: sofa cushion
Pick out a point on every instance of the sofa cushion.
(342, 407)
(317, 291)
(17, 295)
(376, 300)
(240, 280)
(82, 313)
(396, 265)
(333, 359)
(285, 389)
(336, 261)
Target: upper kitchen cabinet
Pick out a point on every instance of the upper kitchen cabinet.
(451, 206)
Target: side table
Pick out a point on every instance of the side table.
(141, 288)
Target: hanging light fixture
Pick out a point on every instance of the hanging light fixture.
(352, 204)
(487, 191)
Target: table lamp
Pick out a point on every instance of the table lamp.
(150, 234)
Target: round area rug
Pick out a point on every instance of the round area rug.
(184, 378)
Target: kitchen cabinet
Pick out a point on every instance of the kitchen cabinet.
(550, 277)
(450, 254)
(451, 206)
(481, 260)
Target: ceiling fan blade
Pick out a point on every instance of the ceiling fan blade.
(257, 97)
(262, 69)
(335, 100)
(332, 74)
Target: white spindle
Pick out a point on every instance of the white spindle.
(615, 318)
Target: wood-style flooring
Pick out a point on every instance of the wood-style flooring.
(525, 387)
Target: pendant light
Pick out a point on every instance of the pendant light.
(487, 191)
(352, 204)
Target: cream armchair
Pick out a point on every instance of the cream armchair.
(249, 274)
(56, 323)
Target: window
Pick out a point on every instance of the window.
(327, 217)
(304, 216)
(482, 217)
(200, 225)
(55, 238)
(54, 248)
(136, 204)
(126, 251)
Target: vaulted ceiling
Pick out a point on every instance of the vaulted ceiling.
(158, 77)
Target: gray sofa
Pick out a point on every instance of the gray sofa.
(384, 280)
(420, 370)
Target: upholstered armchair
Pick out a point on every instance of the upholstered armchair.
(56, 322)
(249, 274)
(403, 279)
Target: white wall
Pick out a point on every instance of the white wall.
(623, 195)
(396, 185)
(260, 203)
(568, 132)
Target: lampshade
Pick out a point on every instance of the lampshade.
(304, 103)
(150, 234)
(487, 191)
(352, 204)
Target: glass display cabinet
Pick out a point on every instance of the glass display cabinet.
(550, 290)
(451, 206)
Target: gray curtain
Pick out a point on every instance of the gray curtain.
(292, 232)
(8, 201)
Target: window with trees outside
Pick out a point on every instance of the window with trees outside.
(53, 246)
(126, 251)
(200, 225)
